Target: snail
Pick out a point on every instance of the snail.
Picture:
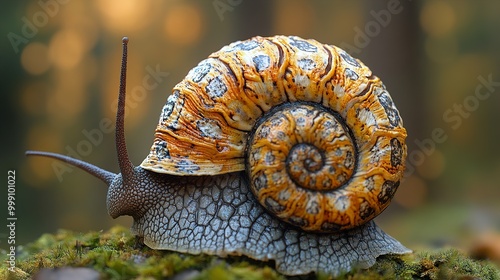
(275, 148)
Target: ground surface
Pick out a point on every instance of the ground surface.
(113, 255)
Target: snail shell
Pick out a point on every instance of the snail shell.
(316, 132)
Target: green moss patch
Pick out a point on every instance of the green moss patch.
(114, 255)
(439, 264)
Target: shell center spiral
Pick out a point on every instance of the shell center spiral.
(307, 155)
(325, 160)
(295, 153)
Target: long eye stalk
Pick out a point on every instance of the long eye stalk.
(126, 167)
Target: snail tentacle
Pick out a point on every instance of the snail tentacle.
(102, 174)
(126, 166)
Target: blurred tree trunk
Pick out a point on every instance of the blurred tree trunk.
(394, 56)
(254, 18)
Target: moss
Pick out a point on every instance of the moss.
(113, 254)
(440, 264)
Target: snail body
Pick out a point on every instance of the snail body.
(275, 148)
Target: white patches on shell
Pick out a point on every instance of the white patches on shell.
(379, 151)
(172, 111)
(262, 62)
(312, 206)
(349, 59)
(161, 150)
(351, 74)
(302, 81)
(390, 109)
(187, 166)
(168, 108)
(199, 72)
(397, 152)
(209, 128)
(302, 44)
(306, 64)
(369, 184)
(245, 45)
(216, 88)
(368, 117)
(342, 203)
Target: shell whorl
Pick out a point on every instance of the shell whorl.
(222, 106)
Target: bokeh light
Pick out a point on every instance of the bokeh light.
(66, 49)
(303, 14)
(125, 16)
(434, 166)
(34, 58)
(437, 18)
(414, 194)
(184, 24)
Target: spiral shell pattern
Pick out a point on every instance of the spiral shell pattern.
(317, 133)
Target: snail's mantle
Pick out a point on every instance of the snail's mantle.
(112, 255)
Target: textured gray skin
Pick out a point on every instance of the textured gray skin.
(218, 215)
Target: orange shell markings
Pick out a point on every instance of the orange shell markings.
(204, 125)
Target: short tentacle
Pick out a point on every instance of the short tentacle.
(104, 175)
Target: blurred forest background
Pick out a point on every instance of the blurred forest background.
(440, 60)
